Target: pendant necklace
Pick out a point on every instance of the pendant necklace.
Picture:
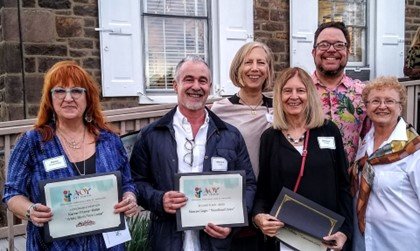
(69, 155)
(73, 144)
(295, 141)
(253, 109)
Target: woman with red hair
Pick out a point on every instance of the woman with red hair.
(70, 128)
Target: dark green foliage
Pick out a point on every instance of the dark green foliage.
(139, 227)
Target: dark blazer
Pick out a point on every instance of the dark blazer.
(154, 162)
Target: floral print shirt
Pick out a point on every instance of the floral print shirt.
(344, 106)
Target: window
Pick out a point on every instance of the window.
(376, 28)
(353, 14)
(172, 30)
(142, 41)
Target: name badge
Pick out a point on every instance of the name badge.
(326, 142)
(219, 164)
(269, 117)
(54, 163)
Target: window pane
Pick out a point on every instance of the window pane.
(167, 41)
(357, 48)
(176, 7)
(353, 14)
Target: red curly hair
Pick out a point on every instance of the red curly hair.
(63, 73)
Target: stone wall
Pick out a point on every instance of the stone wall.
(412, 20)
(51, 31)
(54, 30)
(271, 26)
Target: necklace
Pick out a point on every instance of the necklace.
(253, 109)
(66, 150)
(73, 144)
(295, 141)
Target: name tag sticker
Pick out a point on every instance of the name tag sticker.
(269, 117)
(326, 142)
(219, 164)
(54, 163)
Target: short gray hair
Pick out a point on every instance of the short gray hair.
(192, 58)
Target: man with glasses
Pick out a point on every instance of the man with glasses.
(189, 138)
(341, 96)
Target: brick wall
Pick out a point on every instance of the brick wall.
(412, 20)
(271, 26)
(52, 30)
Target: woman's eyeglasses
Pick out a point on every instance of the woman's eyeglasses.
(61, 93)
(386, 102)
(189, 156)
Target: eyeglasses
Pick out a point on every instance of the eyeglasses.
(61, 93)
(323, 46)
(386, 102)
(189, 156)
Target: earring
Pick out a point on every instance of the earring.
(88, 118)
(53, 117)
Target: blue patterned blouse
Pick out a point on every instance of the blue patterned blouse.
(26, 169)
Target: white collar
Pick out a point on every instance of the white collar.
(399, 133)
(182, 121)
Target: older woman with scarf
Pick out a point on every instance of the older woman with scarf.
(386, 174)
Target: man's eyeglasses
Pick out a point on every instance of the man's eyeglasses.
(386, 102)
(189, 156)
(61, 93)
(323, 46)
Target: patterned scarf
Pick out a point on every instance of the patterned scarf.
(389, 153)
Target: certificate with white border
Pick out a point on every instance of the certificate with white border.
(213, 197)
(82, 205)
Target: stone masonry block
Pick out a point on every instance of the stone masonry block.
(45, 63)
(32, 110)
(81, 43)
(13, 89)
(89, 22)
(91, 63)
(78, 53)
(15, 112)
(38, 25)
(8, 3)
(46, 49)
(55, 4)
(30, 65)
(10, 58)
(69, 26)
(10, 24)
(34, 84)
(86, 10)
(28, 3)
(2, 81)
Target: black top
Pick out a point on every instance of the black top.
(89, 164)
(267, 102)
(325, 179)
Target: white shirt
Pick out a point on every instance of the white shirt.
(393, 210)
(183, 131)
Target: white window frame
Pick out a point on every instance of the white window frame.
(385, 35)
(230, 26)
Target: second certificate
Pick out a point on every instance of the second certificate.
(216, 198)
